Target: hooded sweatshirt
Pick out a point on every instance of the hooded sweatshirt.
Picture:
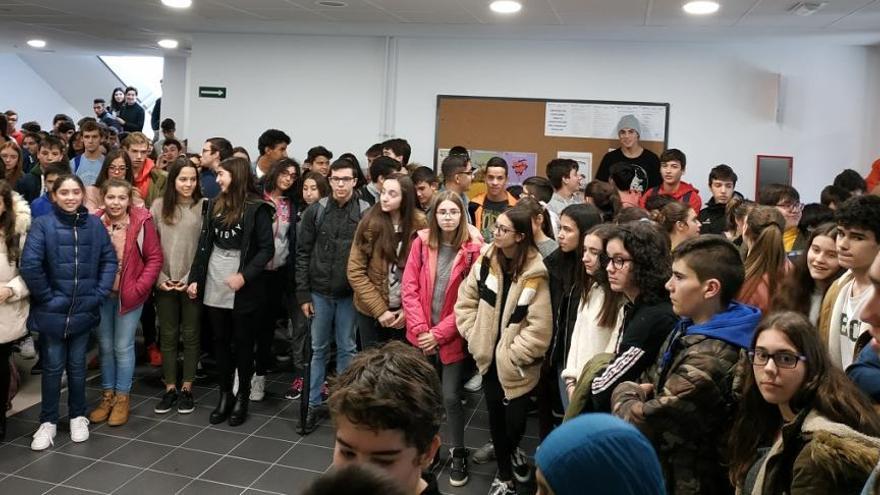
(685, 193)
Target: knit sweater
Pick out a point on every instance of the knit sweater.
(179, 240)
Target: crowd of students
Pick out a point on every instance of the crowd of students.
(734, 338)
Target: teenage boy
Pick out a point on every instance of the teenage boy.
(398, 149)
(88, 165)
(563, 175)
(486, 207)
(373, 152)
(171, 149)
(318, 159)
(867, 375)
(672, 166)
(43, 205)
(840, 324)
(51, 150)
(272, 146)
(387, 408)
(685, 401)
(852, 182)
(722, 183)
(169, 131)
(214, 151)
(103, 116)
(148, 179)
(380, 168)
(787, 200)
(629, 132)
(131, 115)
(323, 243)
(458, 173)
(11, 121)
(426, 184)
(629, 180)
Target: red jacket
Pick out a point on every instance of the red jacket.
(418, 292)
(141, 261)
(685, 193)
(873, 178)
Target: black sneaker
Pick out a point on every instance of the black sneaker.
(522, 471)
(167, 403)
(185, 403)
(458, 472)
(316, 414)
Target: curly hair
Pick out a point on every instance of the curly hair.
(651, 260)
(862, 212)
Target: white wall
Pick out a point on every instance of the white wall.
(174, 93)
(29, 94)
(329, 90)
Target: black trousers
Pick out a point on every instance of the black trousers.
(233, 346)
(279, 304)
(507, 421)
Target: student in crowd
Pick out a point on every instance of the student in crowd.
(629, 131)
(569, 285)
(380, 168)
(171, 149)
(11, 131)
(57, 279)
(178, 218)
(805, 286)
(599, 454)
(148, 180)
(639, 266)
(378, 256)
(277, 188)
(814, 214)
(130, 115)
(362, 179)
(604, 196)
(43, 205)
(722, 185)
(272, 146)
(503, 312)
(458, 173)
(630, 181)
(673, 163)
(852, 182)
(865, 370)
(234, 247)
(858, 242)
(240, 152)
(117, 100)
(30, 147)
(398, 149)
(787, 200)
(679, 221)
(563, 175)
(75, 145)
(440, 258)
(314, 187)
(821, 430)
(51, 150)
(485, 208)
(318, 159)
(599, 314)
(136, 244)
(65, 130)
(354, 479)
(541, 228)
(366, 406)
(737, 211)
(373, 152)
(214, 151)
(685, 402)
(11, 157)
(765, 262)
(833, 196)
(102, 115)
(117, 165)
(426, 184)
(88, 165)
(324, 242)
(541, 190)
(14, 303)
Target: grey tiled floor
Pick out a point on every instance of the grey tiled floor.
(183, 454)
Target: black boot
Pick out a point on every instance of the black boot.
(240, 409)
(221, 412)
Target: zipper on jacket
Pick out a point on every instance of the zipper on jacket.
(75, 273)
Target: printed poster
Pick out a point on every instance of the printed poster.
(521, 166)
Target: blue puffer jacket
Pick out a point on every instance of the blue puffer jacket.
(68, 264)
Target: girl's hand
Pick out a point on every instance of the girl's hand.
(235, 281)
(193, 290)
(427, 342)
(400, 321)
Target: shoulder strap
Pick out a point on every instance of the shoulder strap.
(76, 163)
(484, 270)
(319, 215)
(686, 199)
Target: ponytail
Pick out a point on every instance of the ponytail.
(766, 257)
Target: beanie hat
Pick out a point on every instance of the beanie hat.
(602, 452)
(629, 122)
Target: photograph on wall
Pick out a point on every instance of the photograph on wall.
(521, 166)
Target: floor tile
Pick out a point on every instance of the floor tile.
(68, 490)
(135, 426)
(199, 417)
(308, 457)
(96, 447)
(285, 480)
(261, 449)
(54, 468)
(185, 462)
(103, 477)
(253, 423)
(279, 428)
(216, 441)
(14, 485)
(14, 457)
(323, 436)
(139, 454)
(152, 483)
(17, 427)
(200, 487)
(237, 472)
(170, 433)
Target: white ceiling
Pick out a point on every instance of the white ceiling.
(133, 26)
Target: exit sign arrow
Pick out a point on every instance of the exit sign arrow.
(212, 92)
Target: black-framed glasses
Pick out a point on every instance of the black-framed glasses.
(501, 229)
(470, 172)
(618, 262)
(341, 180)
(782, 359)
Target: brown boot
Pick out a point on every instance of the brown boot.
(119, 415)
(102, 412)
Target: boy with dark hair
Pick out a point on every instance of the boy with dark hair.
(131, 115)
(171, 149)
(373, 152)
(381, 167)
(271, 147)
(722, 184)
(787, 200)
(858, 243)
(426, 184)
(563, 175)
(387, 408)
(673, 164)
(685, 401)
(486, 207)
(852, 182)
(457, 176)
(214, 151)
(630, 181)
(398, 149)
(43, 205)
(66, 130)
(832, 196)
(103, 116)
(318, 160)
(355, 479)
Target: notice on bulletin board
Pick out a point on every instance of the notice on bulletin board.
(599, 121)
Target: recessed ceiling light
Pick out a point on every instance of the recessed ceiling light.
(701, 7)
(177, 4)
(168, 43)
(331, 3)
(505, 6)
(36, 43)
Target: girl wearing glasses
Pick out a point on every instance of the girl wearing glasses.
(117, 165)
(821, 429)
(765, 262)
(440, 258)
(503, 311)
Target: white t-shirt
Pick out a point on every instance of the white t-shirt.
(851, 327)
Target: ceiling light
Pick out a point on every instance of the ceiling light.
(701, 7)
(168, 43)
(331, 3)
(177, 4)
(505, 6)
(36, 43)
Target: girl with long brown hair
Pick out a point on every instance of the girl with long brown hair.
(678, 220)
(765, 262)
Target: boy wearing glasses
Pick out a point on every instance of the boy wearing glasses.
(685, 401)
(787, 200)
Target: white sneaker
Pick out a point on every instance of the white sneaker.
(44, 437)
(475, 384)
(235, 383)
(27, 349)
(258, 388)
(79, 429)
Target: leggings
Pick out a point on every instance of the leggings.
(451, 376)
(233, 346)
(278, 306)
(5, 352)
(507, 421)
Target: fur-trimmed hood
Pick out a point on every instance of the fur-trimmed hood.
(22, 213)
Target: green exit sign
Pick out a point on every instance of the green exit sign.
(212, 92)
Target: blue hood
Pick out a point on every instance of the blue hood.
(736, 326)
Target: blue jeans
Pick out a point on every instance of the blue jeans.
(58, 354)
(116, 339)
(332, 316)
